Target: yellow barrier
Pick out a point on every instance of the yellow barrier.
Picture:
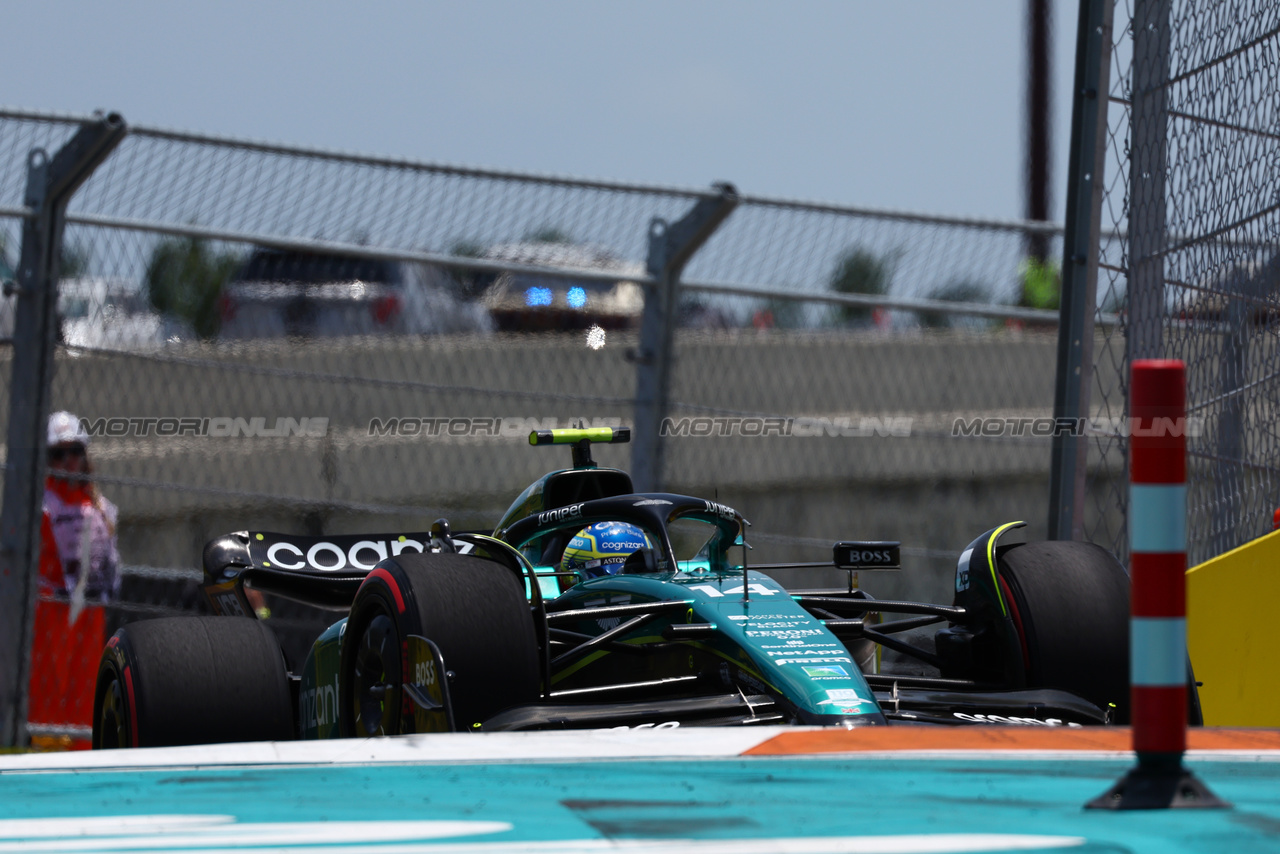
(1232, 637)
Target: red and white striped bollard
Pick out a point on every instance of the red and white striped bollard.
(1158, 560)
(1158, 671)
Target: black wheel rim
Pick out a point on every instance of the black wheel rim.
(374, 681)
(112, 730)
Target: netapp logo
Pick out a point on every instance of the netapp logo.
(560, 514)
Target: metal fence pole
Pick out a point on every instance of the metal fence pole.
(1038, 140)
(671, 245)
(1080, 266)
(50, 184)
(1147, 177)
(1228, 471)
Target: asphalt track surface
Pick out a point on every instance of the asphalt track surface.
(699, 791)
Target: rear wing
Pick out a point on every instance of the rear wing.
(322, 571)
(332, 555)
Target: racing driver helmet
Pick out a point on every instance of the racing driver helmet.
(601, 549)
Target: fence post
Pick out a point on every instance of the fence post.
(51, 182)
(1230, 525)
(671, 245)
(1147, 177)
(1080, 268)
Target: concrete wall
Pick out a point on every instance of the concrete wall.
(929, 489)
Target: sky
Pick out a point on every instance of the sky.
(905, 104)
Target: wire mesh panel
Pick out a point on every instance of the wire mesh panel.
(256, 337)
(824, 420)
(20, 134)
(320, 361)
(66, 656)
(262, 337)
(1193, 159)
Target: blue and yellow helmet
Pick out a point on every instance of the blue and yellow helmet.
(601, 549)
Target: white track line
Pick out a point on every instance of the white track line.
(518, 747)
(438, 748)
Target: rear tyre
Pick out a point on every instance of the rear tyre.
(1070, 605)
(191, 680)
(474, 610)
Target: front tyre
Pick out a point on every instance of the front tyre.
(1070, 606)
(476, 613)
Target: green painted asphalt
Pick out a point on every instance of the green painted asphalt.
(758, 803)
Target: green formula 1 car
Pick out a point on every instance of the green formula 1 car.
(590, 606)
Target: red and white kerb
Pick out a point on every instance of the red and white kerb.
(1158, 555)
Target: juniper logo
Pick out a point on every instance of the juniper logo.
(217, 427)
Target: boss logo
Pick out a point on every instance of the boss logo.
(868, 555)
(560, 514)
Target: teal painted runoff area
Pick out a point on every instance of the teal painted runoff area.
(932, 804)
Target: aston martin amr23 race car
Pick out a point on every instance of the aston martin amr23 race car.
(447, 632)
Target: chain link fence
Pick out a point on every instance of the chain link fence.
(1193, 158)
(276, 337)
(280, 338)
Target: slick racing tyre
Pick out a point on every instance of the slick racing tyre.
(475, 612)
(191, 680)
(1070, 606)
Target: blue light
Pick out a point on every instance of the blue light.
(577, 297)
(537, 296)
